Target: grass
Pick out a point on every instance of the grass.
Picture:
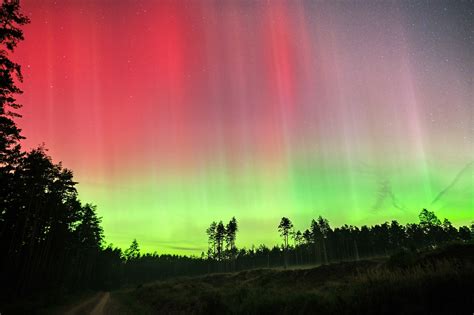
(434, 282)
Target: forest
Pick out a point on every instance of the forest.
(52, 243)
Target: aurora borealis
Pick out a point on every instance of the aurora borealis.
(173, 114)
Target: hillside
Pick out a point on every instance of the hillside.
(432, 282)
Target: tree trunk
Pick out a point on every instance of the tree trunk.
(324, 252)
(356, 250)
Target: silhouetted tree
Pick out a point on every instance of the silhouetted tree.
(88, 230)
(464, 233)
(431, 226)
(220, 237)
(230, 236)
(396, 234)
(284, 228)
(449, 231)
(298, 240)
(211, 239)
(325, 229)
(10, 34)
(11, 207)
(428, 218)
(320, 230)
(133, 252)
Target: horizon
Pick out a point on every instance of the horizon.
(172, 116)
(195, 252)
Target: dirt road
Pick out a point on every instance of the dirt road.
(93, 306)
(99, 308)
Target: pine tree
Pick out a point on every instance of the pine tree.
(284, 228)
(10, 34)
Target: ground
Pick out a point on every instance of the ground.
(435, 282)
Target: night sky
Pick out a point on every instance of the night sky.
(174, 114)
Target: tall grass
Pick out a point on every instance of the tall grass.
(424, 286)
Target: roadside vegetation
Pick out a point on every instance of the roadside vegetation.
(432, 282)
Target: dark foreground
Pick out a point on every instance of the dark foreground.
(435, 282)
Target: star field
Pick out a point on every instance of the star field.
(173, 114)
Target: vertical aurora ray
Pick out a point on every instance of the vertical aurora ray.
(175, 114)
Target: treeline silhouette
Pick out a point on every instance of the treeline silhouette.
(51, 242)
(321, 244)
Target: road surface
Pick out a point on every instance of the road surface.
(93, 306)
